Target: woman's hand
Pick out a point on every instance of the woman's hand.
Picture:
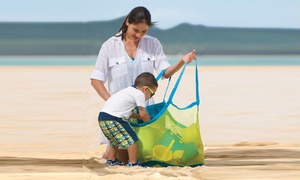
(175, 67)
(100, 89)
(189, 57)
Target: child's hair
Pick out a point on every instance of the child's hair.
(145, 79)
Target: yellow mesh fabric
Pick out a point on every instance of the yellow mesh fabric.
(172, 139)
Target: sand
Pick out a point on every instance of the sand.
(250, 124)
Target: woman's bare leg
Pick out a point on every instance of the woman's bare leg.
(105, 154)
(122, 155)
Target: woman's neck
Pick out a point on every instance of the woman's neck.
(130, 47)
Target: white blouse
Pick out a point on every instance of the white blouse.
(115, 66)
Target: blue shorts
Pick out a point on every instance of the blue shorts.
(116, 130)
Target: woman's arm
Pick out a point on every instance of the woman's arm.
(100, 89)
(185, 59)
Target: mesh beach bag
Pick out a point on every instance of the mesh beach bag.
(172, 136)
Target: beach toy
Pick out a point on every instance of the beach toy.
(147, 139)
(163, 153)
(186, 152)
(190, 151)
(167, 138)
(178, 154)
(190, 134)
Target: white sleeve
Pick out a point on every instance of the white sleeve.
(101, 67)
(162, 62)
(140, 99)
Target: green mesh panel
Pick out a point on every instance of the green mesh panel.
(171, 141)
(172, 137)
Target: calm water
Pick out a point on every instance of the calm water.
(202, 60)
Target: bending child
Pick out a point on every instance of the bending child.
(118, 109)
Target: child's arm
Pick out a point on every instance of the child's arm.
(143, 114)
(135, 115)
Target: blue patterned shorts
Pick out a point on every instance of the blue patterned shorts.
(117, 131)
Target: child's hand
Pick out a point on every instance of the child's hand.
(134, 115)
(189, 57)
(143, 114)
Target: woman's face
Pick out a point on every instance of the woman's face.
(136, 31)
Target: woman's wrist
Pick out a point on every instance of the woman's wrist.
(181, 61)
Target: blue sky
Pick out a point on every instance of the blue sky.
(168, 13)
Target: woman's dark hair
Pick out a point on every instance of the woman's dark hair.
(137, 15)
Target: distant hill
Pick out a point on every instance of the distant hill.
(86, 39)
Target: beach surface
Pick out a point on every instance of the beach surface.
(249, 122)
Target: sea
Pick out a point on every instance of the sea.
(236, 60)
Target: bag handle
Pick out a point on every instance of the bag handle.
(169, 80)
(179, 79)
(197, 84)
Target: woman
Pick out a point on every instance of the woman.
(129, 53)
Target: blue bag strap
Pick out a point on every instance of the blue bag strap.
(176, 84)
(197, 84)
(159, 77)
(179, 79)
(160, 74)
